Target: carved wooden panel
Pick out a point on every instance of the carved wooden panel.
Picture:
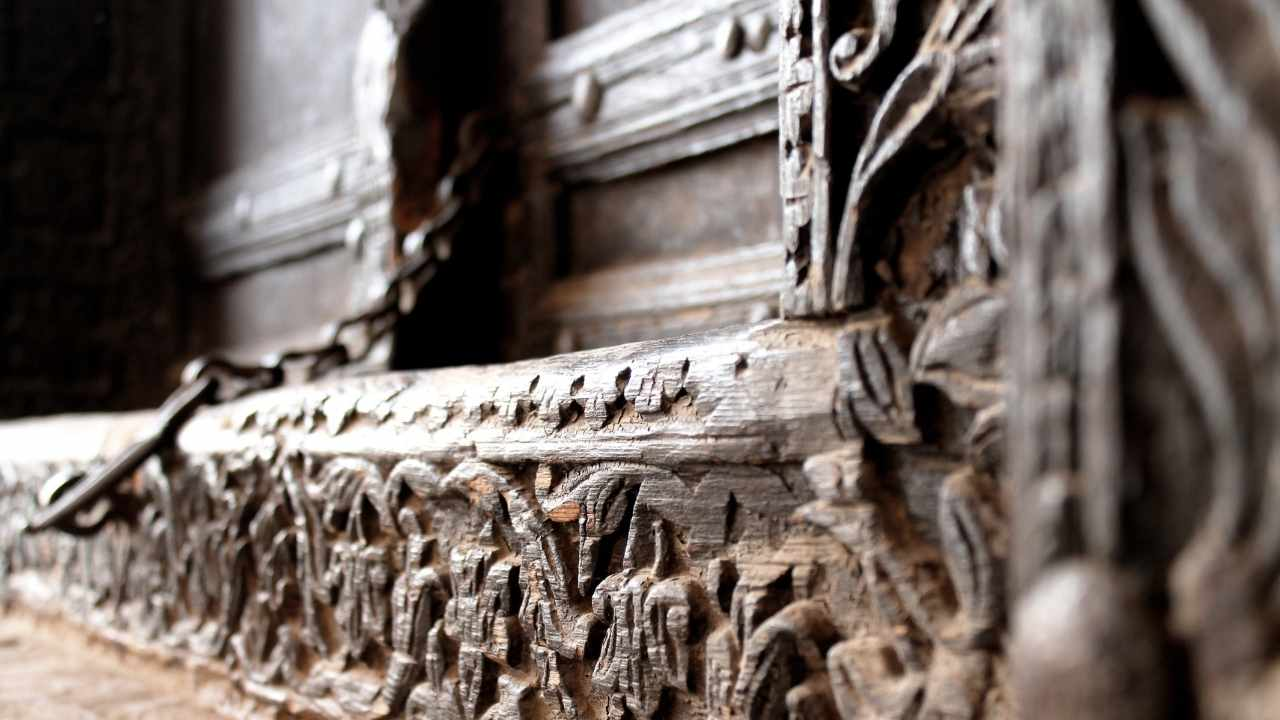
(804, 518)
(747, 523)
(647, 128)
(787, 519)
(651, 84)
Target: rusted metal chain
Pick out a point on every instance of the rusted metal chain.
(71, 503)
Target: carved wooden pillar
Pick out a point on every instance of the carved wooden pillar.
(1140, 159)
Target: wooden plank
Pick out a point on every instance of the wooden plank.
(663, 297)
(295, 203)
(667, 80)
(686, 398)
(451, 543)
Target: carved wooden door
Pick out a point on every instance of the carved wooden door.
(750, 264)
(690, 508)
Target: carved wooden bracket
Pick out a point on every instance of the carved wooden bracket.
(843, 191)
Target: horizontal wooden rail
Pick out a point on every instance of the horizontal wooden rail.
(638, 527)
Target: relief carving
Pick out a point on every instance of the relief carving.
(922, 116)
(800, 520)
(607, 590)
(1144, 412)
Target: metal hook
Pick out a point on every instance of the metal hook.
(65, 496)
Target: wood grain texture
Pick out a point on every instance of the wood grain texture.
(664, 297)
(1142, 172)
(786, 519)
(936, 105)
(668, 90)
(687, 398)
(689, 527)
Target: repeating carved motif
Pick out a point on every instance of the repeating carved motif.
(801, 520)
(864, 581)
(346, 585)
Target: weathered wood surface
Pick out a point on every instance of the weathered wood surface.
(798, 518)
(650, 85)
(681, 528)
(1141, 150)
(690, 247)
(737, 396)
(291, 204)
(790, 519)
(664, 297)
(924, 114)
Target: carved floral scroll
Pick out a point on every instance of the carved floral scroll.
(853, 570)
(799, 519)
(1141, 165)
(903, 119)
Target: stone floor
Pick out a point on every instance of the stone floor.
(47, 672)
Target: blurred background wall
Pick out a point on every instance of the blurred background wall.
(90, 100)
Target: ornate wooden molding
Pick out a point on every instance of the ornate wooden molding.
(685, 525)
(618, 403)
(1142, 180)
(797, 518)
(807, 518)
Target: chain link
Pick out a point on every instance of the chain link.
(351, 339)
(69, 500)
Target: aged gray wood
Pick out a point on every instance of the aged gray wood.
(301, 201)
(804, 136)
(1052, 349)
(800, 518)
(684, 248)
(288, 211)
(797, 518)
(746, 395)
(664, 87)
(665, 297)
(608, 529)
(942, 95)
(1142, 174)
